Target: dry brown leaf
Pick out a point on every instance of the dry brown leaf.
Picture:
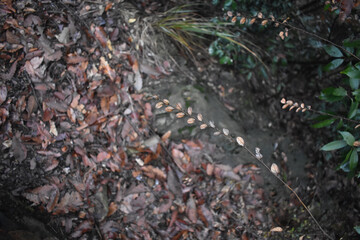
(189, 110)
(190, 120)
(112, 209)
(101, 36)
(180, 115)
(191, 211)
(276, 229)
(169, 109)
(159, 105)
(243, 20)
(179, 107)
(102, 156)
(166, 136)
(3, 93)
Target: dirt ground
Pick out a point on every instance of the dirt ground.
(84, 154)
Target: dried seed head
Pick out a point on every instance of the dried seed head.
(304, 110)
(296, 104)
(203, 126)
(277, 24)
(243, 20)
(169, 109)
(191, 120)
(283, 101)
(298, 109)
(211, 123)
(189, 110)
(180, 114)
(357, 126)
(302, 105)
(178, 107)
(199, 117)
(229, 13)
(274, 169)
(292, 107)
(264, 22)
(260, 15)
(252, 21)
(225, 131)
(159, 105)
(233, 20)
(356, 144)
(166, 102)
(309, 107)
(217, 133)
(240, 141)
(272, 18)
(156, 97)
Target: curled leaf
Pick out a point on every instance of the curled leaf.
(189, 110)
(166, 102)
(169, 109)
(276, 229)
(191, 120)
(240, 141)
(159, 105)
(180, 115)
(178, 106)
(274, 169)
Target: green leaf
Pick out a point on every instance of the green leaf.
(351, 72)
(228, 3)
(333, 64)
(339, 92)
(354, 83)
(334, 145)
(354, 158)
(329, 96)
(348, 137)
(333, 51)
(324, 123)
(355, 43)
(357, 229)
(215, 2)
(353, 109)
(225, 60)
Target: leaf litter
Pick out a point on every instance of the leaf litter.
(70, 127)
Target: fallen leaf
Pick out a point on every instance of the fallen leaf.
(19, 149)
(102, 156)
(101, 36)
(3, 93)
(191, 211)
(276, 229)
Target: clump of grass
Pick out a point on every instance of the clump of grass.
(197, 119)
(189, 29)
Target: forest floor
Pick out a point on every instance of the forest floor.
(83, 155)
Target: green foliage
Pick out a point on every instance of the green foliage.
(345, 102)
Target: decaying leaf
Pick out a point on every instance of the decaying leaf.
(191, 211)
